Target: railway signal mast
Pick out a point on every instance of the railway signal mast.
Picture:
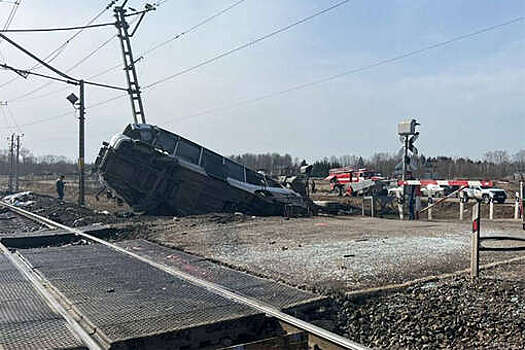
(124, 35)
(408, 135)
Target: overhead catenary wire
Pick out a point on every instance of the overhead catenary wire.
(352, 71)
(66, 79)
(174, 37)
(56, 52)
(6, 119)
(248, 44)
(328, 78)
(193, 28)
(11, 16)
(84, 59)
(39, 121)
(142, 55)
(8, 115)
(58, 29)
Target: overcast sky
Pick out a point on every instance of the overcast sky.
(469, 96)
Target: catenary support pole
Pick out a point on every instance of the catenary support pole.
(134, 92)
(17, 164)
(81, 120)
(11, 165)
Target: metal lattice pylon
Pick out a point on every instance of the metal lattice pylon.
(129, 65)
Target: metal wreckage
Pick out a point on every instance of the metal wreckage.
(158, 172)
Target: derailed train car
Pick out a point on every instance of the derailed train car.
(158, 172)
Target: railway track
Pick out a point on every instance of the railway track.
(331, 340)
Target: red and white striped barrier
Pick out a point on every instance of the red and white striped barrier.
(484, 183)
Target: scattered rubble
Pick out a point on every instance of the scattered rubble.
(20, 199)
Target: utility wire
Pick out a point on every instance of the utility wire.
(352, 71)
(10, 114)
(56, 52)
(201, 23)
(323, 80)
(60, 29)
(174, 37)
(248, 44)
(43, 120)
(84, 59)
(10, 18)
(66, 79)
(4, 114)
(12, 14)
(141, 56)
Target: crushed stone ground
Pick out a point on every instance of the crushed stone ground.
(332, 255)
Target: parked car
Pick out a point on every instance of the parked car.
(498, 195)
(434, 190)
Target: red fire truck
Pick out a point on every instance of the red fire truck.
(340, 177)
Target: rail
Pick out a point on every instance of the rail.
(52, 300)
(309, 328)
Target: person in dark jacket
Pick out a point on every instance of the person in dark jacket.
(60, 187)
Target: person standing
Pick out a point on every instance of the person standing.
(60, 187)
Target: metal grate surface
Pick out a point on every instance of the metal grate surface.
(276, 294)
(125, 298)
(26, 321)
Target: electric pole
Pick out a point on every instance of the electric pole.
(122, 25)
(17, 169)
(10, 179)
(72, 98)
(81, 119)
(131, 76)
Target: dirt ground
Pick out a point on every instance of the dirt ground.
(333, 255)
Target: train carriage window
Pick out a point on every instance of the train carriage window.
(188, 151)
(165, 141)
(234, 170)
(272, 182)
(212, 163)
(254, 178)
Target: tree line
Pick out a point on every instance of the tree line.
(29, 164)
(494, 164)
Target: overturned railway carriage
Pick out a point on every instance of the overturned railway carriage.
(156, 171)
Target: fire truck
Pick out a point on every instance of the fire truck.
(343, 180)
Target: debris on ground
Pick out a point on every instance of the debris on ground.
(20, 199)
